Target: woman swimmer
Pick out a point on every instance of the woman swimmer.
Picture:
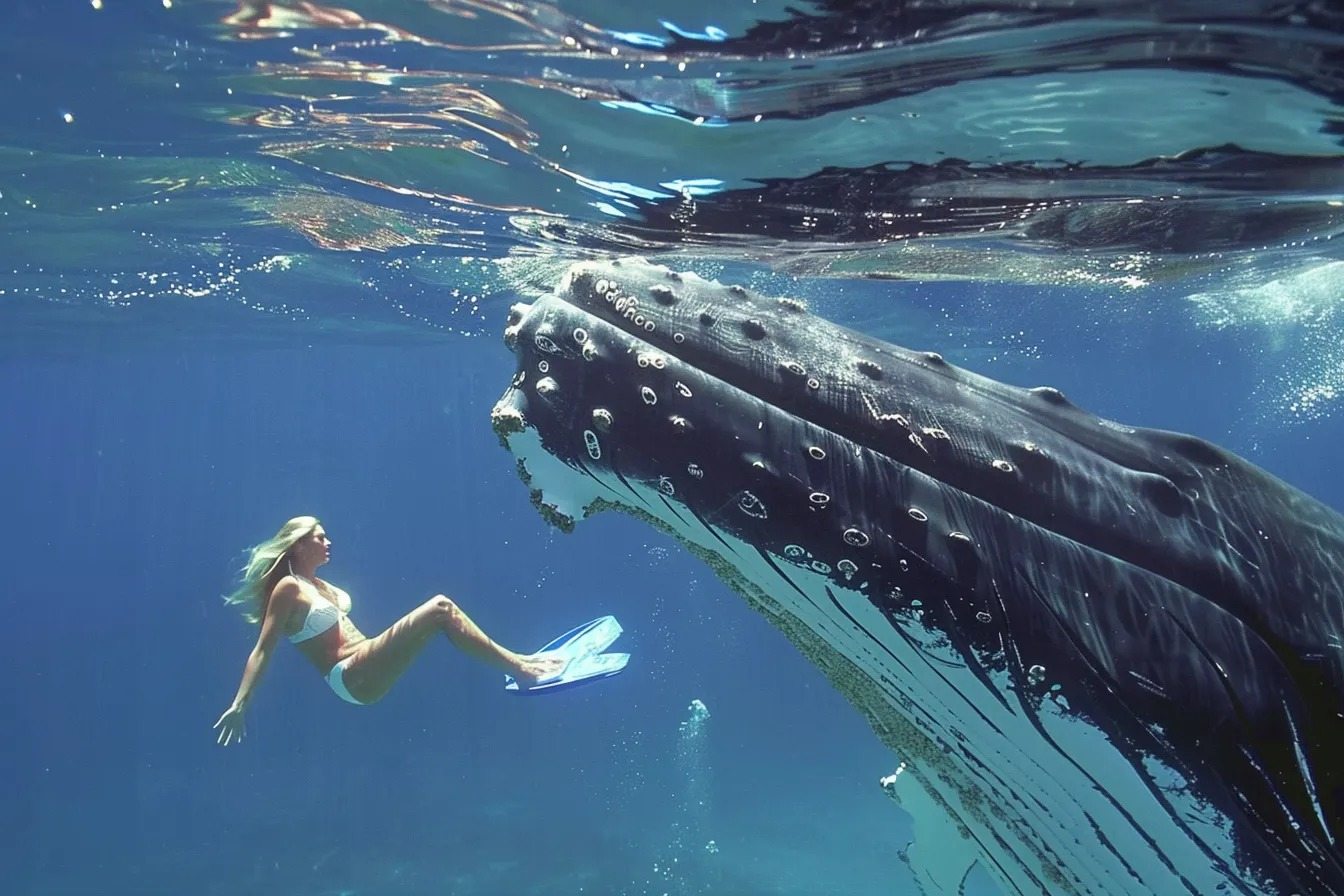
(281, 591)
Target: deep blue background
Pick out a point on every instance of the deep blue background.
(138, 477)
(135, 476)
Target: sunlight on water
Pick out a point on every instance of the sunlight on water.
(487, 128)
(1299, 318)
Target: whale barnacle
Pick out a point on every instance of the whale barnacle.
(1050, 394)
(870, 369)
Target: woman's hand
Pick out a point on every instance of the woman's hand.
(230, 726)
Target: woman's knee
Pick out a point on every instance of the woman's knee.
(443, 611)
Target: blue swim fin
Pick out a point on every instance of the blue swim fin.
(581, 648)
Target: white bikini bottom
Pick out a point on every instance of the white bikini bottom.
(336, 678)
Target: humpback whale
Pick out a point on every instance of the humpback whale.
(1109, 659)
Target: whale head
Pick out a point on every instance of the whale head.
(1108, 657)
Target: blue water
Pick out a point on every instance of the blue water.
(141, 476)
(235, 288)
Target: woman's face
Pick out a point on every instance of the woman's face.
(314, 548)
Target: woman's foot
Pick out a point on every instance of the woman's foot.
(538, 667)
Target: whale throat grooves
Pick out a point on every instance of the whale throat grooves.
(1110, 660)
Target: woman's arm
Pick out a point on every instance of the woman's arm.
(278, 608)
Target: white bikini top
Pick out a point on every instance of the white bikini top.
(322, 613)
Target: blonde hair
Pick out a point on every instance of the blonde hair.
(263, 563)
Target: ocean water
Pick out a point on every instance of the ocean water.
(256, 259)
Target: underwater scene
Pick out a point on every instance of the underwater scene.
(934, 408)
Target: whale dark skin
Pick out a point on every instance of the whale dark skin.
(1183, 601)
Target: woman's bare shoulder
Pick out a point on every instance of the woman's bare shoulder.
(282, 602)
(286, 590)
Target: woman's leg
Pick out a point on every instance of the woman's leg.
(381, 660)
